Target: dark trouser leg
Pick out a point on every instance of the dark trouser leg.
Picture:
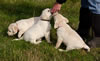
(95, 42)
(84, 23)
(96, 24)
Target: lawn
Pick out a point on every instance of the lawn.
(13, 10)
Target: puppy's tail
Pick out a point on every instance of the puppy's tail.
(87, 48)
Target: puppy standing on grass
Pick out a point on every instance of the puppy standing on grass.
(40, 29)
(67, 35)
(21, 26)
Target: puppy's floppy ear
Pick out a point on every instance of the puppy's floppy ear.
(56, 25)
(43, 16)
(46, 14)
(15, 29)
(65, 19)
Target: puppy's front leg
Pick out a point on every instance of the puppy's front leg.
(59, 41)
(18, 39)
(47, 37)
(20, 34)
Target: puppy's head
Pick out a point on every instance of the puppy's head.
(59, 20)
(46, 14)
(12, 29)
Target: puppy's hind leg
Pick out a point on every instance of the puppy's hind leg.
(87, 48)
(39, 40)
(35, 42)
(68, 48)
(18, 39)
(61, 50)
(20, 34)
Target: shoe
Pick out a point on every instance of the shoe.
(95, 42)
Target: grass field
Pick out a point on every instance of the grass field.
(13, 10)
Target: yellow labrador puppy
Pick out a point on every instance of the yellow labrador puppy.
(40, 29)
(21, 26)
(67, 35)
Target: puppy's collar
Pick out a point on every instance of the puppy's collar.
(45, 20)
(59, 27)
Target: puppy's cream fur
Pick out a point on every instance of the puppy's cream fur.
(67, 35)
(40, 29)
(21, 26)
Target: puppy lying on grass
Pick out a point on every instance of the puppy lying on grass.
(67, 35)
(21, 26)
(40, 29)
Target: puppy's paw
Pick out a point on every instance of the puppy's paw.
(61, 50)
(56, 47)
(15, 39)
(34, 42)
(39, 42)
(49, 42)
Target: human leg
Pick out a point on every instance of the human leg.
(84, 23)
(95, 42)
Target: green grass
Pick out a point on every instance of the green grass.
(13, 10)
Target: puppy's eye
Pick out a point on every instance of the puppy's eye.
(48, 10)
(9, 31)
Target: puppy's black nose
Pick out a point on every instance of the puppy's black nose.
(52, 13)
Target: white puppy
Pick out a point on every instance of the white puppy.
(67, 35)
(21, 26)
(40, 29)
